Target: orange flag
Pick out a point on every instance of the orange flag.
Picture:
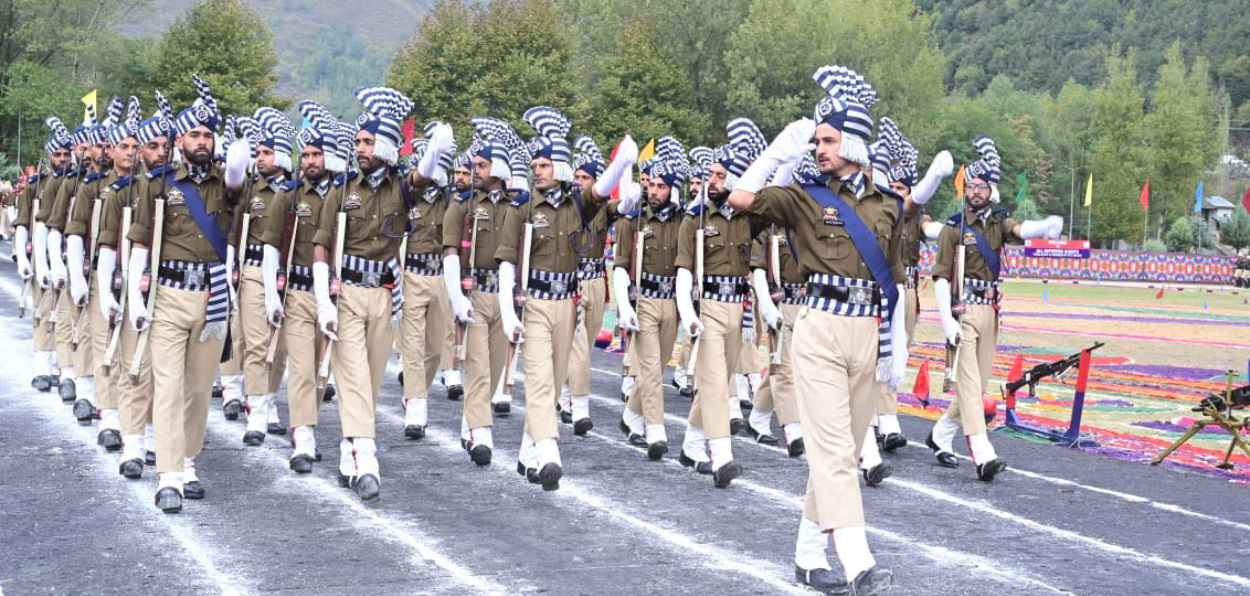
(959, 183)
(921, 388)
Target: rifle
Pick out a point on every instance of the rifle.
(75, 336)
(639, 241)
(957, 307)
(519, 296)
(467, 281)
(1035, 375)
(293, 226)
(774, 265)
(698, 276)
(28, 285)
(110, 355)
(340, 232)
(158, 219)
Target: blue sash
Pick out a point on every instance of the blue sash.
(988, 254)
(865, 241)
(195, 206)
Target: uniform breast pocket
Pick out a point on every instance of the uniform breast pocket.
(357, 224)
(544, 243)
(884, 229)
(177, 220)
(834, 244)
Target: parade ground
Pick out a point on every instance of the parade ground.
(1097, 520)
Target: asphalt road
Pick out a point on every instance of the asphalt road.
(1059, 521)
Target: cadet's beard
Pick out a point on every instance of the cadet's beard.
(202, 158)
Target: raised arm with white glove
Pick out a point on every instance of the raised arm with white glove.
(460, 305)
(626, 316)
(20, 237)
(269, 276)
(794, 141)
(764, 298)
(631, 195)
(1050, 228)
(138, 309)
(507, 310)
(685, 303)
(56, 267)
(441, 141)
(238, 157)
(950, 327)
(784, 174)
(327, 311)
(942, 167)
(109, 308)
(78, 288)
(898, 340)
(626, 157)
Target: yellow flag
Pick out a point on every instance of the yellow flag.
(1089, 190)
(89, 111)
(648, 151)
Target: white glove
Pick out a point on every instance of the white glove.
(685, 305)
(626, 157)
(20, 238)
(791, 144)
(327, 311)
(932, 229)
(138, 310)
(763, 297)
(785, 173)
(898, 340)
(626, 316)
(55, 265)
(78, 288)
(460, 306)
(631, 195)
(441, 141)
(269, 275)
(1050, 228)
(238, 157)
(942, 167)
(109, 307)
(234, 293)
(39, 248)
(507, 310)
(214, 330)
(950, 327)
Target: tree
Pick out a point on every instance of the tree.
(1180, 235)
(1119, 153)
(229, 46)
(1180, 130)
(1236, 231)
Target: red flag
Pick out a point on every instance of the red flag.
(921, 388)
(410, 127)
(1144, 198)
(1245, 200)
(616, 192)
(1017, 371)
(1159, 294)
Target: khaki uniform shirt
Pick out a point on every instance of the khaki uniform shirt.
(112, 210)
(368, 208)
(304, 203)
(429, 212)
(476, 212)
(761, 255)
(71, 195)
(559, 237)
(182, 238)
(260, 194)
(659, 249)
(997, 228)
(726, 243)
(48, 186)
(824, 246)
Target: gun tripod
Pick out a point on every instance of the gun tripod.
(1218, 410)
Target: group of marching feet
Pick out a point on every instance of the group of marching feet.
(163, 253)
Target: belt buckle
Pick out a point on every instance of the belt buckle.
(492, 278)
(665, 287)
(372, 279)
(193, 277)
(859, 295)
(559, 287)
(728, 288)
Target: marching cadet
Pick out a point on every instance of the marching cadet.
(375, 207)
(82, 234)
(34, 206)
(629, 366)
(552, 224)
(291, 225)
(184, 229)
(423, 327)
(592, 290)
(702, 156)
(269, 131)
(644, 271)
(848, 336)
(450, 366)
(713, 262)
(969, 255)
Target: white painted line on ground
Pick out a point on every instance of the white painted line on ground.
(1128, 497)
(705, 555)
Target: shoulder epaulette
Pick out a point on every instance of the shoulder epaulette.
(92, 177)
(290, 185)
(121, 182)
(887, 191)
(72, 173)
(34, 178)
(346, 177)
(519, 198)
(160, 170)
(1000, 213)
(695, 208)
(955, 220)
(463, 196)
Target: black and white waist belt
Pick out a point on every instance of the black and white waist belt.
(590, 268)
(198, 277)
(657, 287)
(980, 291)
(300, 278)
(486, 280)
(254, 255)
(845, 296)
(367, 273)
(424, 264)
(725, 288)
(552, 285)
(794, 294)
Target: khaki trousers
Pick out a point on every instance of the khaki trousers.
(594, 292)
(485, 350)
(657, 322)
(45, 329)
(135, 398)
(360, 357)
(911, 301)
(304, 346)
(548, 339)
(63, 305)
(835, 365)
(718, 356)
(97, 336)
(234, 366)
(80, 357)
(258, 376)
(978, 339)
(628, 369)
(423, 331)
(182, 375)
(776, 393)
